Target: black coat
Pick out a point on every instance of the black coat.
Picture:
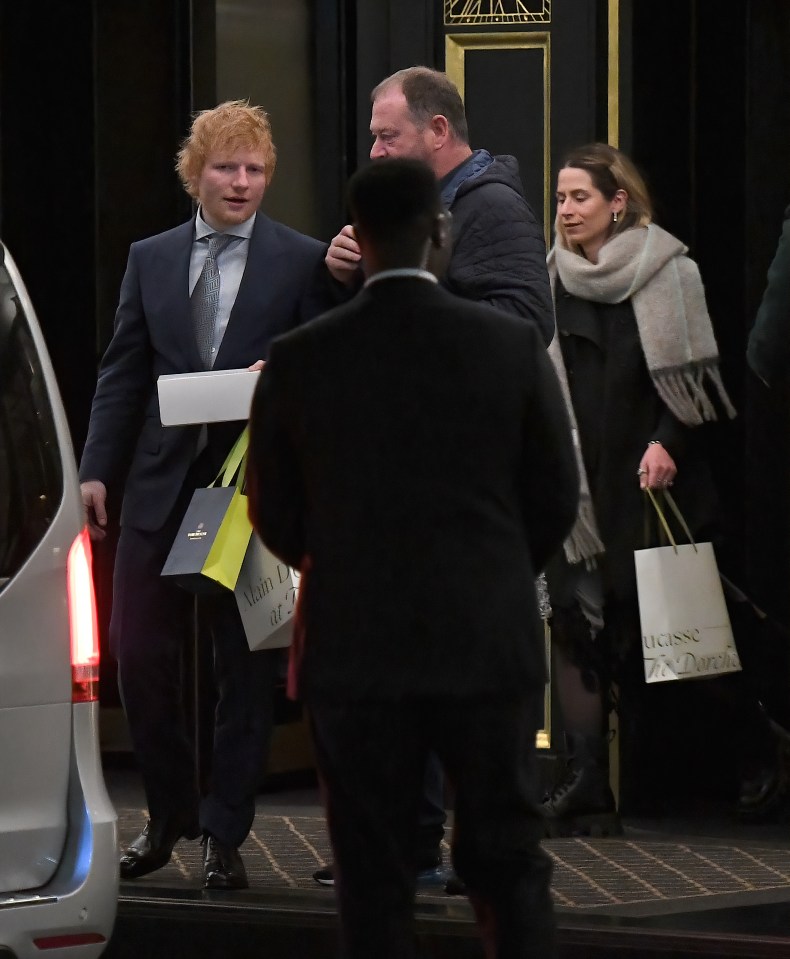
(498, 252)
(413, 446)
(618, 412)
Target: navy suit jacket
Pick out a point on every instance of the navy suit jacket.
(154, 335)
(411, 449)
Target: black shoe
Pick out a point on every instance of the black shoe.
(582, 803)
(153, 848)
(223, 867)
(564, 819)
(763, 793)
(455, 886)
(325, 876)
(760, 794)
(430, 873)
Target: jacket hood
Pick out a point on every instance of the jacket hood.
(482, 168)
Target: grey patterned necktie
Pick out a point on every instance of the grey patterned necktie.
(205, 298)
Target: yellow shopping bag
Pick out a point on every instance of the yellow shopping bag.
(211, 542)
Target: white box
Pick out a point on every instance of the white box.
(214, 396)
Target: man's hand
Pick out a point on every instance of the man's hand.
(257, 365)
(343, 256)
(94, 499)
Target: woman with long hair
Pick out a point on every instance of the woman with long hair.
(637, 358)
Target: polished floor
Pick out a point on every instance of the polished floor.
(705, 885)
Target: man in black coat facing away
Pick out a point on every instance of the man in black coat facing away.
(410, 453)
(496, 254)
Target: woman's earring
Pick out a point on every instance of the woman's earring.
(614, 217)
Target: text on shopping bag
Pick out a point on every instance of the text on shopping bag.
(266, 593)
(686, 631)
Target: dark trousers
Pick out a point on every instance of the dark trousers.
(371, 759)
(152, 620)
(431, 815)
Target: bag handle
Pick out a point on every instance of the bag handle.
(234, 461)
(647, 514)
(663, 520)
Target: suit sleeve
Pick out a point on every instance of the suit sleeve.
(768, 349)
(318, 295)
(549, 475)
(499, 257)
(274, 481)
(123, 387)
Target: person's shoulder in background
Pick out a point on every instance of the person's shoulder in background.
(768, 349)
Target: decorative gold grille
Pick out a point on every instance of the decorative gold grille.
(495, 12)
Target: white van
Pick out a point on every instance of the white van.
(58, 845)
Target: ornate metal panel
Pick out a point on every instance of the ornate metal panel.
(495, 12)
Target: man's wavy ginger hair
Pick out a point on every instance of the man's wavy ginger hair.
(233, 125)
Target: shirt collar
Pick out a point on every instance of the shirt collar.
(402, 273)
(243, 230)
(475, 164)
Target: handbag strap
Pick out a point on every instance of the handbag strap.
(233, 467)
(669, 499)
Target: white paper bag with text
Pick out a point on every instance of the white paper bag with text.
(686, 632)
(266, 593)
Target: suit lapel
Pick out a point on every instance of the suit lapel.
(170, 275)
(256, 294)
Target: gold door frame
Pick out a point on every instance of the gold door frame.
(455, 48)
(613, 75)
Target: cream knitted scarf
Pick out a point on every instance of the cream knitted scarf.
(648, 266)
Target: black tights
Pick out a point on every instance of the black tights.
(577, 673)
(582, 708)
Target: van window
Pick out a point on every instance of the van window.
(31, 477)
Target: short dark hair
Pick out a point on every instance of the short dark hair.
(428, 93)
(394, 204)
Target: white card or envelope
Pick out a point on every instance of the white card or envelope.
(214, 396)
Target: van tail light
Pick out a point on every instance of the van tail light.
(70, 939)
(83, 622)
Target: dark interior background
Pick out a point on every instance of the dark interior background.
(88, 133)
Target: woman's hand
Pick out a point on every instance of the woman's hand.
(657, 469)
